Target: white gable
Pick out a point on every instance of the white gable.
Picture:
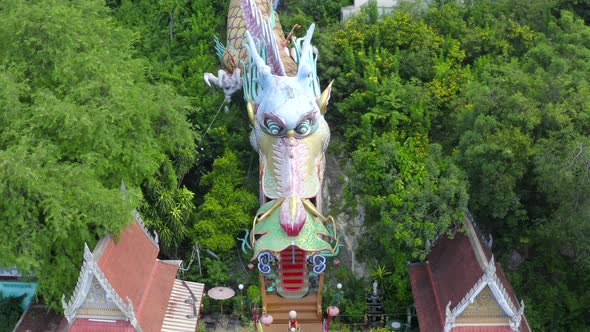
(492, 284)
(98, 304)
(91, 277)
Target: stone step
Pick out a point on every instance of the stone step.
(304, 326)
(277, 300)
(284, 271)
(277, 303)
(293, 277)
(302, 317)
(297, 307)
(293, 293)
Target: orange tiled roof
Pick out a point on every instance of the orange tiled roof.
(153, 308)
(428, 309)
(453, 268)
(132, 268)
(129, 269)
(129, 263)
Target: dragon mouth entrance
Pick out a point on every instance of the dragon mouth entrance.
(292, 272)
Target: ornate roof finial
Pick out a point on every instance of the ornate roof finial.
(516, 320)
(490, 271)
(154, 239)
(449, 318)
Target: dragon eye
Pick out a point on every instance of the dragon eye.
(303, 127)
(273, 127)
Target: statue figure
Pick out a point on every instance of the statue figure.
(375, 288)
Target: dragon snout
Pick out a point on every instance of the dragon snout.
(292, 216)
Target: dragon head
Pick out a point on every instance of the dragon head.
(283, 105)
(290, 132)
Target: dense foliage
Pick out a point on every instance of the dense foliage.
(499, 90)
(77, 118)
(10, 311)
(481, 105)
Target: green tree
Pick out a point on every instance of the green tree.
(77, 117)
(169, 208)
(322, 12)
(523, 135)
(411, 195)
(503, 87)
(227, 209)
(176, 38)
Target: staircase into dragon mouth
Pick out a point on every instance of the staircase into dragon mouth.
(292, 277)
(293, 293)
(309, 319)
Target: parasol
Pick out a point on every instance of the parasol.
(221, 293)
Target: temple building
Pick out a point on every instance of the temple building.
(460, 288)
(384, 7)
(123, 286)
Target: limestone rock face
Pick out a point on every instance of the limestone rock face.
(348, 225)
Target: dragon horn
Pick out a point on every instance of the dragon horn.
(325, 97)
(251, 111)
(262, 67)
(304, 62)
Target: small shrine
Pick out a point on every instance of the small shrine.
(375, 315)
(123, 286)
(461, 288)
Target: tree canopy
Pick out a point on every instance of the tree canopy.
(479, 105)
(77, 117)
(498, 88)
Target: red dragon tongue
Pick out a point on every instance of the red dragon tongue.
(292, 216)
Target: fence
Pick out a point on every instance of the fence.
(362, 323)
(17, 288)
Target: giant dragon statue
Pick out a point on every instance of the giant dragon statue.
(290, 237)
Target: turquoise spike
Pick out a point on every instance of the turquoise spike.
(271, 20)
(219, 48)
(246, 247)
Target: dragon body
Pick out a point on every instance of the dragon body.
(257, 17)
(286, 110)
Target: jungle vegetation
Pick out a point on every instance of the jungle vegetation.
(10, 311)
(438, 108)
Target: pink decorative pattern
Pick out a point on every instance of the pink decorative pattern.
(290, 162)
(290, 167)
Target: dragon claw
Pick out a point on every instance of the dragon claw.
(210, 78)
(228, 83)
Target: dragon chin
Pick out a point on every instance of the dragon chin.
(292, 216)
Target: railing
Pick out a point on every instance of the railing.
(263, 292)
(319, 294)
(361, 323)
